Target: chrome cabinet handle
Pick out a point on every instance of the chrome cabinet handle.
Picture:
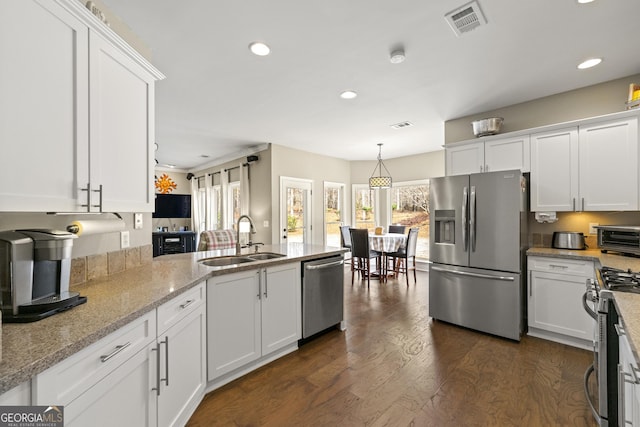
(574, 204)
(187, 303)
(88, 204)
(117, 350)
(321, 266)
(99, 205)
(166, 360)
(157, 387)
(486, 168)
(583, 203)
(477, 275)
(259, 285)
(266, 291)
(564, 267)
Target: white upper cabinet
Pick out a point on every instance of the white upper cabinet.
(43, 106)
(488, 156)
(609, 166)
(591, 167)
(554, 170)
(121, 106)
(465, 159)
(506, 154)
(77, 112)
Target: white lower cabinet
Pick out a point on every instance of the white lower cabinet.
(181, 348)
(135, 376)
(107, 383)
(20, 395)
(251, 315)
(628, 385)
(555, 309)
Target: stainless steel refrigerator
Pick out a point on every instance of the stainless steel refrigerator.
(477, 250)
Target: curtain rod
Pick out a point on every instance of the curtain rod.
(236, 167)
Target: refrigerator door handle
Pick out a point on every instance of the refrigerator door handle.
(478, 275)
(465, 204)
(472, 219)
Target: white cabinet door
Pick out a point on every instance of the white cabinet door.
(554, 170)
(121, 129)
(123, 398)
(555, 304)
(43, 107)
(507, 154)
(465, 159)
(609, 166)
(281, 307)
(233, 321)
(182, 369)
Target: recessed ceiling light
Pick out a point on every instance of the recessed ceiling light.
(592, 62)
(259, 48)
(170, 165)
(348, 94)
(397, 56)
(584, 1)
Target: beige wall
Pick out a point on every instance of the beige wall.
(291, 163)
(596, 100)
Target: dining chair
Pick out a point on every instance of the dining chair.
(400, 229)
(345, 237)
(402, 257)
(361, 254)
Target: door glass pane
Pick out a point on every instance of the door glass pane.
(410, 207)
(295, 215)
(364, 200)
(333, 214)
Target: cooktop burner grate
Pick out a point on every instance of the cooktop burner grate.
(620, 280)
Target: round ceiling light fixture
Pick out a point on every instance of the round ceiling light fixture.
(397, 56)
(591, 62)
(348, 94)
(584, 1)
(259, 48)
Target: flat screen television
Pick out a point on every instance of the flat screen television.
(173, 206)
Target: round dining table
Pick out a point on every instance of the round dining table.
(386, 243)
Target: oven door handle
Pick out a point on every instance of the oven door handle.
(586, 306)
(595, 413)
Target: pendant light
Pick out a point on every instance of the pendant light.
(380, 181)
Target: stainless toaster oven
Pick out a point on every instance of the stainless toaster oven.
(619, 238)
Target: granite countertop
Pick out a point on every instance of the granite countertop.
(116, 300)
(628, 304)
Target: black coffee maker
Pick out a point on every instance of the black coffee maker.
(34, 274)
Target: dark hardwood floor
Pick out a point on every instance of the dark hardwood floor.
(395, 366)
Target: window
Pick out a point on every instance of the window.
(410, 207)
(364, 200)
(215, 208)
(333, 213)
(233, 204)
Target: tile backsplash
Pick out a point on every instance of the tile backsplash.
(93, 267)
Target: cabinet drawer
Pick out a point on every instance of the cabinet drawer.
(561, 265)
(173, 311)
(64, 382)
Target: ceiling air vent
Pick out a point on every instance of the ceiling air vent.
(401, 125)
(465, 18)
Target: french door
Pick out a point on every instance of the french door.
(295, 210)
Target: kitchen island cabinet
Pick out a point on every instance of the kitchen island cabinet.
(251, 316)
(83, 129)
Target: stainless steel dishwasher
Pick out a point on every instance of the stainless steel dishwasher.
(322, 294)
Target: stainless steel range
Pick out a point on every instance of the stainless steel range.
(605, 400)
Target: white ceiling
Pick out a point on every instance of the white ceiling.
(219, 99)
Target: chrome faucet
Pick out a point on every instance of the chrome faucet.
(253, 231)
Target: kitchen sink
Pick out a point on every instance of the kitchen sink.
(264, 255)
(221, 261)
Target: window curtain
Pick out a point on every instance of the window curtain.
(245, 192)
(224, 185)
(208, 196)
(196, 219)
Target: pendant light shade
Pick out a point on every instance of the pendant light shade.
(380, 180)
